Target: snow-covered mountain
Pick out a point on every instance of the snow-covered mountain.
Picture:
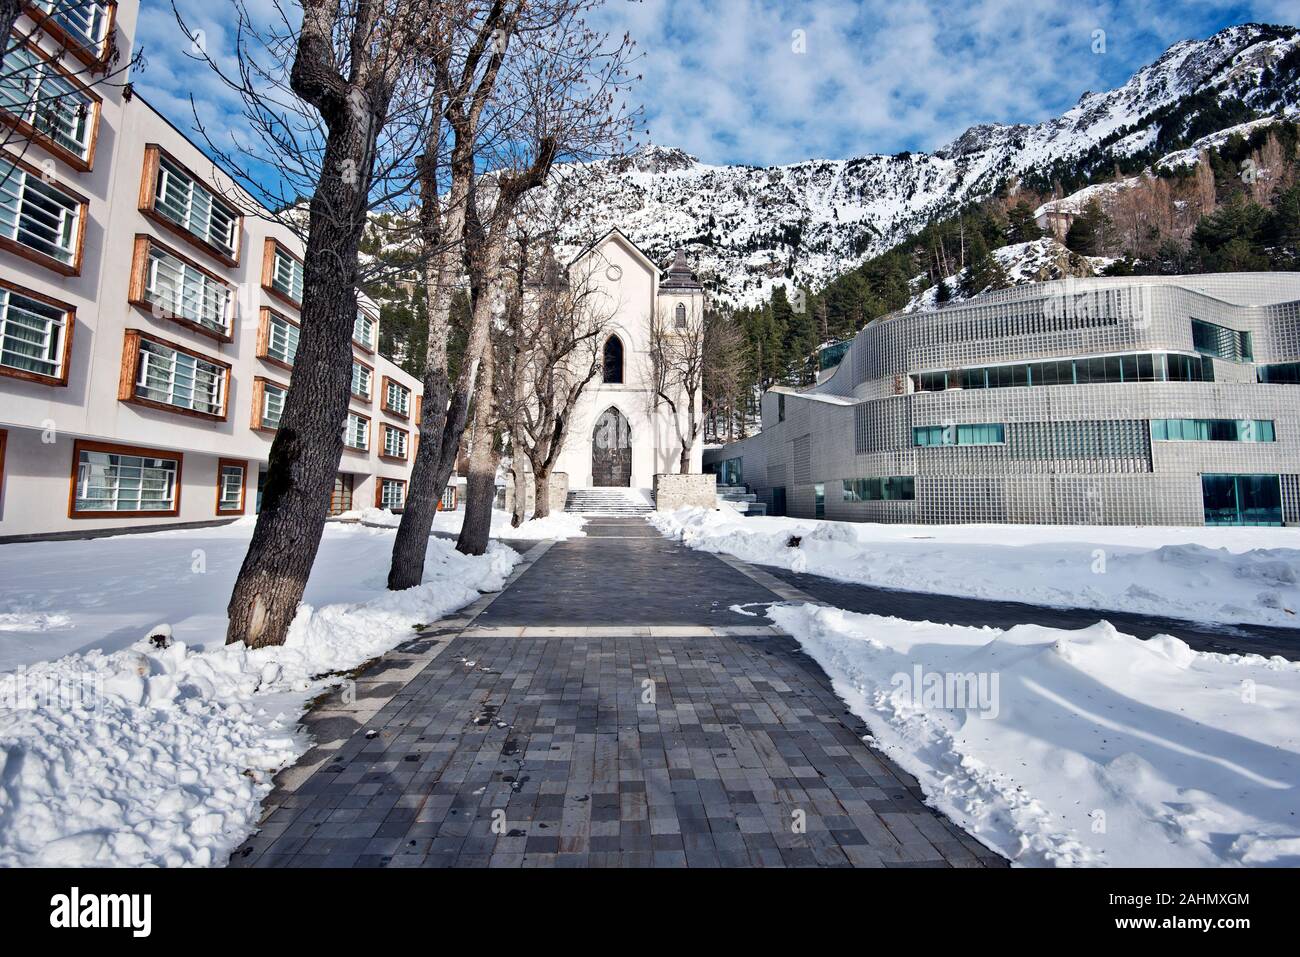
(747, 228)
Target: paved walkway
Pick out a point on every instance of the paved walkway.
(605, 709)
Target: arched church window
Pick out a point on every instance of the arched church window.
(614, 359)
(681, 315)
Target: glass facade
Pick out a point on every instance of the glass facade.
(1221, 342)
(1242, 499)
(830, 356)
(819, 500)
(1212, 430)
(987, 434)
(1284, 373)
(893, 488)
(1135, 367)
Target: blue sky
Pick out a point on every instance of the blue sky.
(748, 81)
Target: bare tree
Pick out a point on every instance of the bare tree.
(677, 360)
(725, 362)
(549, 87)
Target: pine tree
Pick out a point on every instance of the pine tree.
(984, 271)
(1021, 225)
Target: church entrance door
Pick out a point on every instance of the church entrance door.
(611, 450)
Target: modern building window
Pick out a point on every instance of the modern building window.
(83, 25)
(397, 398)
(40, 221)
(363, 331)
(230, 486)
(356, 432)
(613, 364)
(1212, 430)
(828, 357)
(983, 434)
(268, 403)
(780, 407)
(173, 287)
(362, 380)
(394, 442)
(390, 494)
(38, 96)
(891, 488)
(819, 500)
(1094, 370)
(1281, 373)
(35, 336)
(162, 374)
(282, 273)
(1221, 342)
(732, 472)
(679, 316)
(277, 340)
(118, 480)
(181, 202)
(1242, 499)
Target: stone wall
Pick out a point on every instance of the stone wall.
(559, 486)
(682, 491)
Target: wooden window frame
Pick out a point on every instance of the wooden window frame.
(148, 193)
(264, 336)
(243, 487)
(364, 400)
(70, 321)
(97, 61)
(34, 255)
(4, 442)
(131, 369)
(27, 131)
(370, 433)
(368, 350)
(269, 248)
(258, 400)
(379, 489)
(136, 293)
(383, 444)
(86, 445)
(383, 401)
(419, 411)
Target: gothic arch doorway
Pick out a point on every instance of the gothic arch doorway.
(611, 450)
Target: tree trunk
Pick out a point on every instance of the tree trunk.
(304, 457)
(480, 488)
(519, 513)
(542, 491)
(684, 464)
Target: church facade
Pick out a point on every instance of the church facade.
(621, 433)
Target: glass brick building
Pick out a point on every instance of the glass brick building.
(1171, 400)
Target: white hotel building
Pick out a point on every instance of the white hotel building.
(147, 327)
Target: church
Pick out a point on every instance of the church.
(619, 435)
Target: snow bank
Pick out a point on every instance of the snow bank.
(1085, 747)
(557, 525)
(160, 756)
(1202, 574)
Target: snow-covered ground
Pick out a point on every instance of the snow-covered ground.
(1084, 747)
(557, 525)
(1237, 575)
(115, 752)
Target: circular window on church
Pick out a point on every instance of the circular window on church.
(615, 273)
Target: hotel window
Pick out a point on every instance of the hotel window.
(194, 211)
(268, 403)
(37, 95)
(1221, 342)
(363, 331)
(394, 442)
(172, 287)
(282, 273)
(277, 339)
(230, 486)
(35, 334)
(112, 479)
(1212, 430)
(163, 374)
(392, 494)
(84, 24)
(39, 217)
(937, 435)
(356, 432)
(362, 380)
(397, 398)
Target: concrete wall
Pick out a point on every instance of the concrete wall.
(685, 491)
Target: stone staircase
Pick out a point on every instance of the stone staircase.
(742, 499)
(606, 501)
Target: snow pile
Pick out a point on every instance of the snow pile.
(1201, 574)
(153, 755)
(1085, 747)
(557, 525)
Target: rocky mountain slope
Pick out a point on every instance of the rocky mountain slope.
(748, 228)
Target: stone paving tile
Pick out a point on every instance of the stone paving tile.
(696, 749)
